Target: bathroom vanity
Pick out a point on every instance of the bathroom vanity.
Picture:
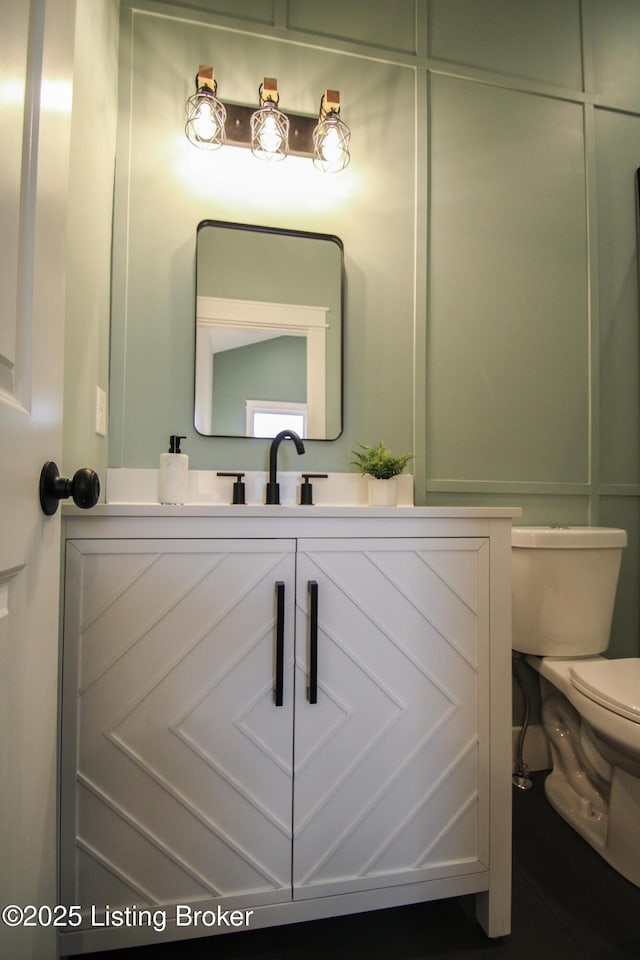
(293, 712)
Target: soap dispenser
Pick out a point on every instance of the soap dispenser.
(173, 474)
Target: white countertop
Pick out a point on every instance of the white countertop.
(264, 511)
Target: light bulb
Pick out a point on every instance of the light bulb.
(331, 148)
(331, 145)
(204, 122)
(269, 136)
(269, 133)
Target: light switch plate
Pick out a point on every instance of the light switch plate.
(101, 412)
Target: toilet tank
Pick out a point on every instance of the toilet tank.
(564, 583)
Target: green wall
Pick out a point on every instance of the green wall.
(88, 238)
(489, 226)
(165, 187)
(270, 370)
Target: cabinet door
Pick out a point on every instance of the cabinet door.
(176, 765)
(389, 783)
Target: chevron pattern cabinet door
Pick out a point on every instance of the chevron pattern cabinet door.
(389, 763)
(176, 763)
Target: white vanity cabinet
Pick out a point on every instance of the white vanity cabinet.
(299, 725)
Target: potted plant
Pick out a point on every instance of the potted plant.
(382, 468)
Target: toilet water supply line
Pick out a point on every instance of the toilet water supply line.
(521, 777)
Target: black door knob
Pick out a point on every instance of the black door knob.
(84, 488)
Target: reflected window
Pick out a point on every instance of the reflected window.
(266, 419)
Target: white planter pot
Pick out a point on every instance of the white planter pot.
(383, 493)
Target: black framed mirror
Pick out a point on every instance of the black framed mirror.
(269, 332)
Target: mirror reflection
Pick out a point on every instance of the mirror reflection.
(268, 332)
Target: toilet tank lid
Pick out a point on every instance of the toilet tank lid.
(563, 538)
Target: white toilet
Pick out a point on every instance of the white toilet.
(564, 585)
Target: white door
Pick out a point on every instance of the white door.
(389, 760)
(36, 56)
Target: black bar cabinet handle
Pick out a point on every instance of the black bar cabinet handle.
(313, 641)
(278, 692)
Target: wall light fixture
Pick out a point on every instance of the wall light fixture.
(269, 126)
(267, 132)
(331, 136)
(206, 116)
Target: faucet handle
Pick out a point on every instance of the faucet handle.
(306, 490)
(238, 487)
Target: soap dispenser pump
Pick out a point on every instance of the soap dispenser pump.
(173, 473)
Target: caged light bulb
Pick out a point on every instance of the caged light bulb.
(205, 114)
(269, 136)
(204, 122)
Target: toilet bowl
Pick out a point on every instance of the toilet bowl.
(564, 584)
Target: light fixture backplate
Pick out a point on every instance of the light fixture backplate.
(238, 129)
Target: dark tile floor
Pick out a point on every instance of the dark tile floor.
(568, 904)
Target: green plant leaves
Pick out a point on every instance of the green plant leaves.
(378, 461)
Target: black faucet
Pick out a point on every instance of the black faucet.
(273, 488)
